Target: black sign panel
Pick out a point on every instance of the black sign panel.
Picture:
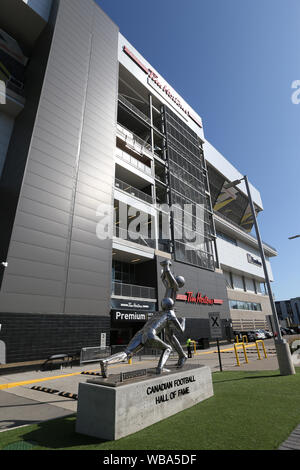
(136, 305)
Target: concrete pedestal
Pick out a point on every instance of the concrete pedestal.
(111, 412)
(284, 357)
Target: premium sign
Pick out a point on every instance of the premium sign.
(198, 298)
(127, 316)
(154, 78)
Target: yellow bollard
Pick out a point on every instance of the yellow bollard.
(130, 361)
(265, 352)
(264, 349)
(245, 353)
(236, 355)
(245, 336)
(259, 356)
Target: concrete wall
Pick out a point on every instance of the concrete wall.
(56, 264)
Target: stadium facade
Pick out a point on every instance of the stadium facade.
(105, 172)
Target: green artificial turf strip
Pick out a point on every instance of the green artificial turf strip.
(249, 411)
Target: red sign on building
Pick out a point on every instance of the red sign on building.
(162, 86)
(190, 298)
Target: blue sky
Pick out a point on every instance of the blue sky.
(234, 62)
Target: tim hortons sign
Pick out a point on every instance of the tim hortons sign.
(154, 78)
(198, 298)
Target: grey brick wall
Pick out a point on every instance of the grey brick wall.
(29, 337)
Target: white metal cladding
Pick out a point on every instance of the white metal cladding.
(235, 258)
(56, 263)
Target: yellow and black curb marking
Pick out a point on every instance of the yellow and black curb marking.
(74, 396)
(92, 373)
(44, 389)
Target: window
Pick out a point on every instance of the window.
(241, 305)
(228, 279)
(123, 272)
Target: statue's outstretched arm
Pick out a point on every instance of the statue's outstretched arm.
(167, 277)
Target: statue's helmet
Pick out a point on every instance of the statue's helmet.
(167, 303)
(180, 281)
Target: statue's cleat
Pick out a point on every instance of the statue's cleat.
(103, 365)
(181, 362)
(159, 370)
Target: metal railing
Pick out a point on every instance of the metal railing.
(131, 290)
(93, 354)
(133, 191)
(134, 109)
(134, 237)
(132, 138)
(134, 162)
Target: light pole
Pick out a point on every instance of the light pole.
(285, 362)
(295, 236)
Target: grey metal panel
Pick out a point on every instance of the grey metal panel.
(44, 150)
(42, 225)
(78, 263)
(40, 254)
(34, 238)
(88, 308)
(50, 174)
(29, 303)
(96, 174)
(30, 285)
(92, 252)
(24, 267)
(69, 173)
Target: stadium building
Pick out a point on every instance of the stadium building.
(105, 172)
(288, 312)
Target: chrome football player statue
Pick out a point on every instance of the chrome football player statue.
(165, 320)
